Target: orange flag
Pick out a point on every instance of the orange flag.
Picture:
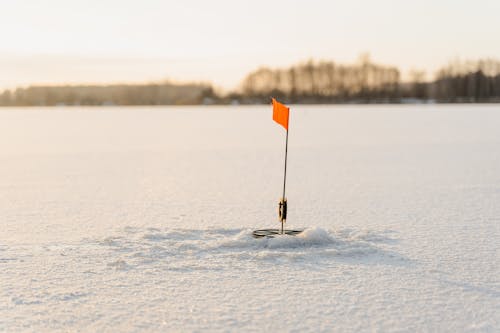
(281, 113)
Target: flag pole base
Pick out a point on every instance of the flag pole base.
(271, 233)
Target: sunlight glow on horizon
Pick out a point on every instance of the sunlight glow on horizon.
(221, 41)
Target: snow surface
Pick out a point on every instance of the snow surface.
(140, 219)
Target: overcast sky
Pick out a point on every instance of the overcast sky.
(103, 41)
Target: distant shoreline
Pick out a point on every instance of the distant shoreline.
(373, 103)
(312, 82)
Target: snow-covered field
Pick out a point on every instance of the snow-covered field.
(140, 219)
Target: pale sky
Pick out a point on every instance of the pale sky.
(106, 41)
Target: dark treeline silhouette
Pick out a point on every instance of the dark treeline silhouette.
(324, 81)
(308, 82)
(477, 81)
(139, 94)
(367, 82)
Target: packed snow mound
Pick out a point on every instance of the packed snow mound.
(175, 249)
(309, 237)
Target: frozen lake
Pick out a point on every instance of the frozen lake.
(140, 219)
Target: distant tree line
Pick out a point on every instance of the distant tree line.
(324, 81)
(367, 82)
(471, 81)
(139, 94)
(308, 82)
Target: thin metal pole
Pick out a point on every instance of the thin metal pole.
(286, 153)
(284, 177)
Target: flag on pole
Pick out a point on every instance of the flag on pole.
(280, 113)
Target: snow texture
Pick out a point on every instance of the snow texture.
(141, 219)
